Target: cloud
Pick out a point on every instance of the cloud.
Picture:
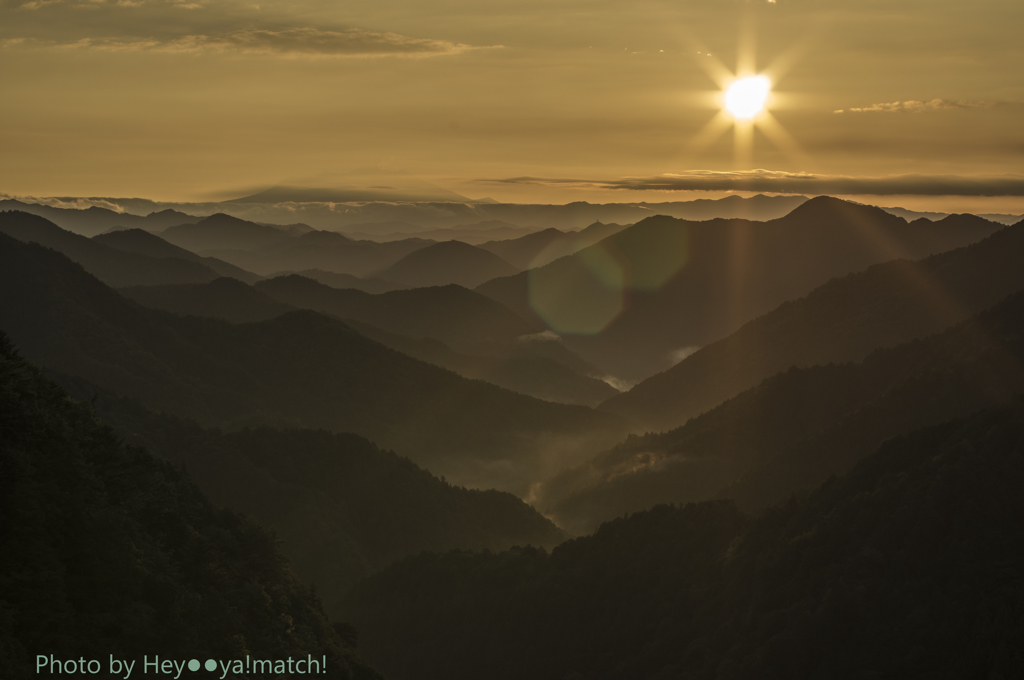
(80, 4)
(913, 106)
(290, 42)
(773, 181)
(67, 202)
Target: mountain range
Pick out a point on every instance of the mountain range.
(300, 368)
(112, 265)
(427, 323)
(797, 428)
(907, 566)
(638, 301)
(842, 320)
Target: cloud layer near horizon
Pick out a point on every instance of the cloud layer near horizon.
(768, 181)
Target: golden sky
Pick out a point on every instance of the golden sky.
(522, 100)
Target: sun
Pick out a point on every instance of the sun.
(746, 97)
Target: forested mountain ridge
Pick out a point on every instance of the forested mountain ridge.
(494, 346)
(445, 263)
(301, 369)
(144, 243)
(112, 266)
(908, 566)
(541, 247)
(458, 317)
(95, 220)
(842, 320)
(223, 298)
(633, 302)
(325, 250)
(107, 551)
(797, 428)
(343, 507)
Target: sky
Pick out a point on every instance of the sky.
(901, 102)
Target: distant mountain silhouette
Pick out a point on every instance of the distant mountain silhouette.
(220, 231)
(301, 369)
(145, 243)
(909, 566)
(111, 265)
(343, 507)
(106, 547)
(797, 428)
(842, 320)
(458, 317)
(446, 263)
(690, 283)
(498, 353)
(94, 220)
(470, 234)
(540, 248)
(323, 250)
(336, 280)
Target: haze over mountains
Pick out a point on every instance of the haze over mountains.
(448, 326)
(842, 320)
(763, 445)
(437, 213)
(344, 392)
(642, 298)
(225, 374)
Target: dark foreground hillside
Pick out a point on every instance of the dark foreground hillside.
(343, 507)
(910, 566)
(106, 550)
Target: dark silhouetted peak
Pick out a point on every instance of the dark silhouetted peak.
(223, 219)
(323, 237)
(448, 262)
(964, 220)
(829, 208)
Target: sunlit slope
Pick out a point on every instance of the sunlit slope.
(637, 301)
(301, 368)
(105, 547)
(112, 266)
(342, 507)
(842, 320)
(797, 428)
(909, 566)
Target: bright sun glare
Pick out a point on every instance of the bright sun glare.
(746, 97)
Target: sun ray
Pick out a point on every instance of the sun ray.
(780, 137)
(710, 133)
(745, 98)
(743, 145)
